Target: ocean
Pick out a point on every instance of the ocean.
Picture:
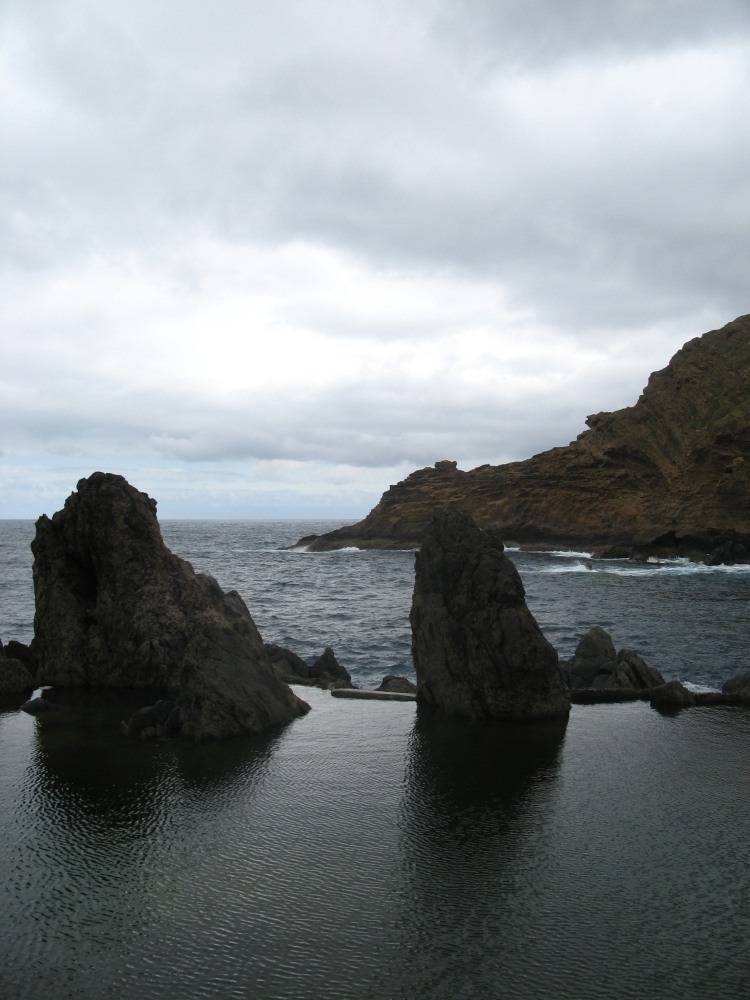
(367, 851)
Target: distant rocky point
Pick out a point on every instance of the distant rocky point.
(669, 475)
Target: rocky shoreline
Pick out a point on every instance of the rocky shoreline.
(116, 610)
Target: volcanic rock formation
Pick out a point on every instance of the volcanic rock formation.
(670, 474)
(595, 665)
(115, 608)
(478, 651)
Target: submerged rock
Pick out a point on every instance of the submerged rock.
(115, 608)
(478, 651)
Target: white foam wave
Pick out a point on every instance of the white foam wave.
(576, 567)
(656, 567)
(568, 554)
(699, 688)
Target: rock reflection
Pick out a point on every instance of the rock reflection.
(108, 825)
(80, 743)
(475, 830)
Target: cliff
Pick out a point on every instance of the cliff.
(670, 473)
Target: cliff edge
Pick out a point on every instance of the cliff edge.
(669, 474)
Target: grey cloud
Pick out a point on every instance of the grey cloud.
(530, 33)
(384, 154)
(413, 139)
(368, 426)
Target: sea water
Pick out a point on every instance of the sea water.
(367, 851)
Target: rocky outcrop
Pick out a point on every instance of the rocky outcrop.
(596, 666)
(115, 608)
(287, 665)
(672, 697)
(478, 651)
(670, 474)
(738, 683)
(17, 669)
(325, 671)
(327, 668)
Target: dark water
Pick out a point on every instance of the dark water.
(366, 851)
(690, 621)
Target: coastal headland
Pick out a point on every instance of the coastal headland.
(669, 475)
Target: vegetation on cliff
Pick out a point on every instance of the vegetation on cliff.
(670, 473)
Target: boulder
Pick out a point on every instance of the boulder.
(593, 662)
(115, 608)
(671, 697)
(736, 684)
(16, 669)
(478, 651)
(15, 677)
(15, 650)
(633, 672)
(728, 553)
(324, 672)
(328, 669)
(397, 685)
(287, 665)
(596, 666)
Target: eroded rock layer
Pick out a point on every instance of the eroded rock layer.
(672, 471)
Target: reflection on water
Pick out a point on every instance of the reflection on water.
(474, 818)
(370, 851)
(472, 789)
(107, 823)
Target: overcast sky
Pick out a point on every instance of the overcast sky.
(266, 257)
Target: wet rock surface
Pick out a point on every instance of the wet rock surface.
(115, 608)
(478, 651)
